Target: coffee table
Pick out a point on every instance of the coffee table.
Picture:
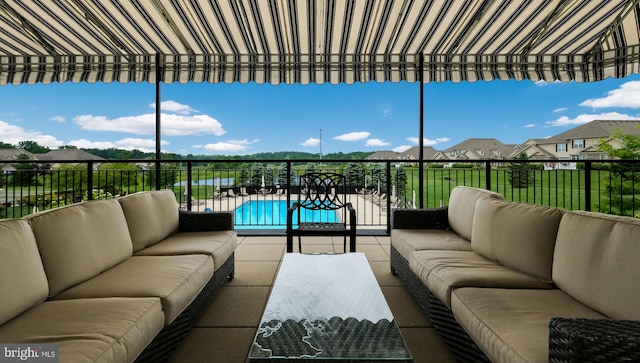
(327, 307)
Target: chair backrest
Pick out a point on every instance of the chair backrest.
(322, 191)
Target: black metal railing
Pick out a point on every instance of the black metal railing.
(258, 190)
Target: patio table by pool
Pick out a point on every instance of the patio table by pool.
(327, 307)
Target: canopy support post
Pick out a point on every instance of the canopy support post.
(421, 132)
(158, 119)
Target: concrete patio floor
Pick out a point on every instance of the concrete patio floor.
(226, 330)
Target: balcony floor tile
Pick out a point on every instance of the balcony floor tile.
(226, 330)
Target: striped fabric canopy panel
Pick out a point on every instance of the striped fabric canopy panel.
(316, 41)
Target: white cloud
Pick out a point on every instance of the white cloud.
(353, 136)
(230, 145)
(172, 124)
(376, 142)
(402, 148)
(60, 119)
(545, 83)
(12, 134)
(585, 118)
(625, 96)
(146, 145)
(528, 126)
(173, 106)
(311, 142)
(560, 109)
(197, 146)
(429, 142)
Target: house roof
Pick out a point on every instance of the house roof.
(320, 41)
(427, 151)
(13, 153)
(381, 155)
(69, 154)
(595, 129)
(482, 148)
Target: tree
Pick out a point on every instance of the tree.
(67, 147)
(521, 175)
(4, 145)
(355, 175)
(116, 178)
(624, 179)
(33, 147)
(25, 174)
(70, 181)
(168, 176)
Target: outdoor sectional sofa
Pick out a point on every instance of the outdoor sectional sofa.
(516, 282)
(113, 280)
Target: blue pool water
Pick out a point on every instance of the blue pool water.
(273, 214)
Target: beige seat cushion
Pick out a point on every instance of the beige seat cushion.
(219, 244)
(79, 241)
(596, 261)
(407, 241)
(518, 235)
(443, 271)
(462, 206)
(512, 325)
(176, 280)
(23, 283)
(89, 330)
(151, 216)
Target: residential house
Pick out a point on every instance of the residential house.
(408, 155)
(475, 149)
(70, 155)
(413, 153)
(14, 154)
(579, 143)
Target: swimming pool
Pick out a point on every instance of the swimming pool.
(272, 214)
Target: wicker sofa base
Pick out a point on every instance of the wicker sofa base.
(456, 338)
(166, 342)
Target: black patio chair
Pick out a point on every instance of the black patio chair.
(320, 192)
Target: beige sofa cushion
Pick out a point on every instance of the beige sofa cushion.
(518, 235)
(23, 283)
(176, 280)
(407, 241)
(151, 216)
(462, 206)
(219, 244)
(512, 325)
(596, 261)
(79, 241)
(90, 330)
(443, 271)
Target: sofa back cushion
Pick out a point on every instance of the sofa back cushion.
(520, 236)
(596, 261)
(462, 206)
(23, 282)
(79, 241)
(151, 216)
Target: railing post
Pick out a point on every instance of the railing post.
(189, 185)
(587, 185)
(288, 173)
(89, 180)
(389, 190)
(487, 168)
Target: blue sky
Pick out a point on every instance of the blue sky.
(240, 119)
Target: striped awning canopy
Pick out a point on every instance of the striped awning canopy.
(316, 41)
